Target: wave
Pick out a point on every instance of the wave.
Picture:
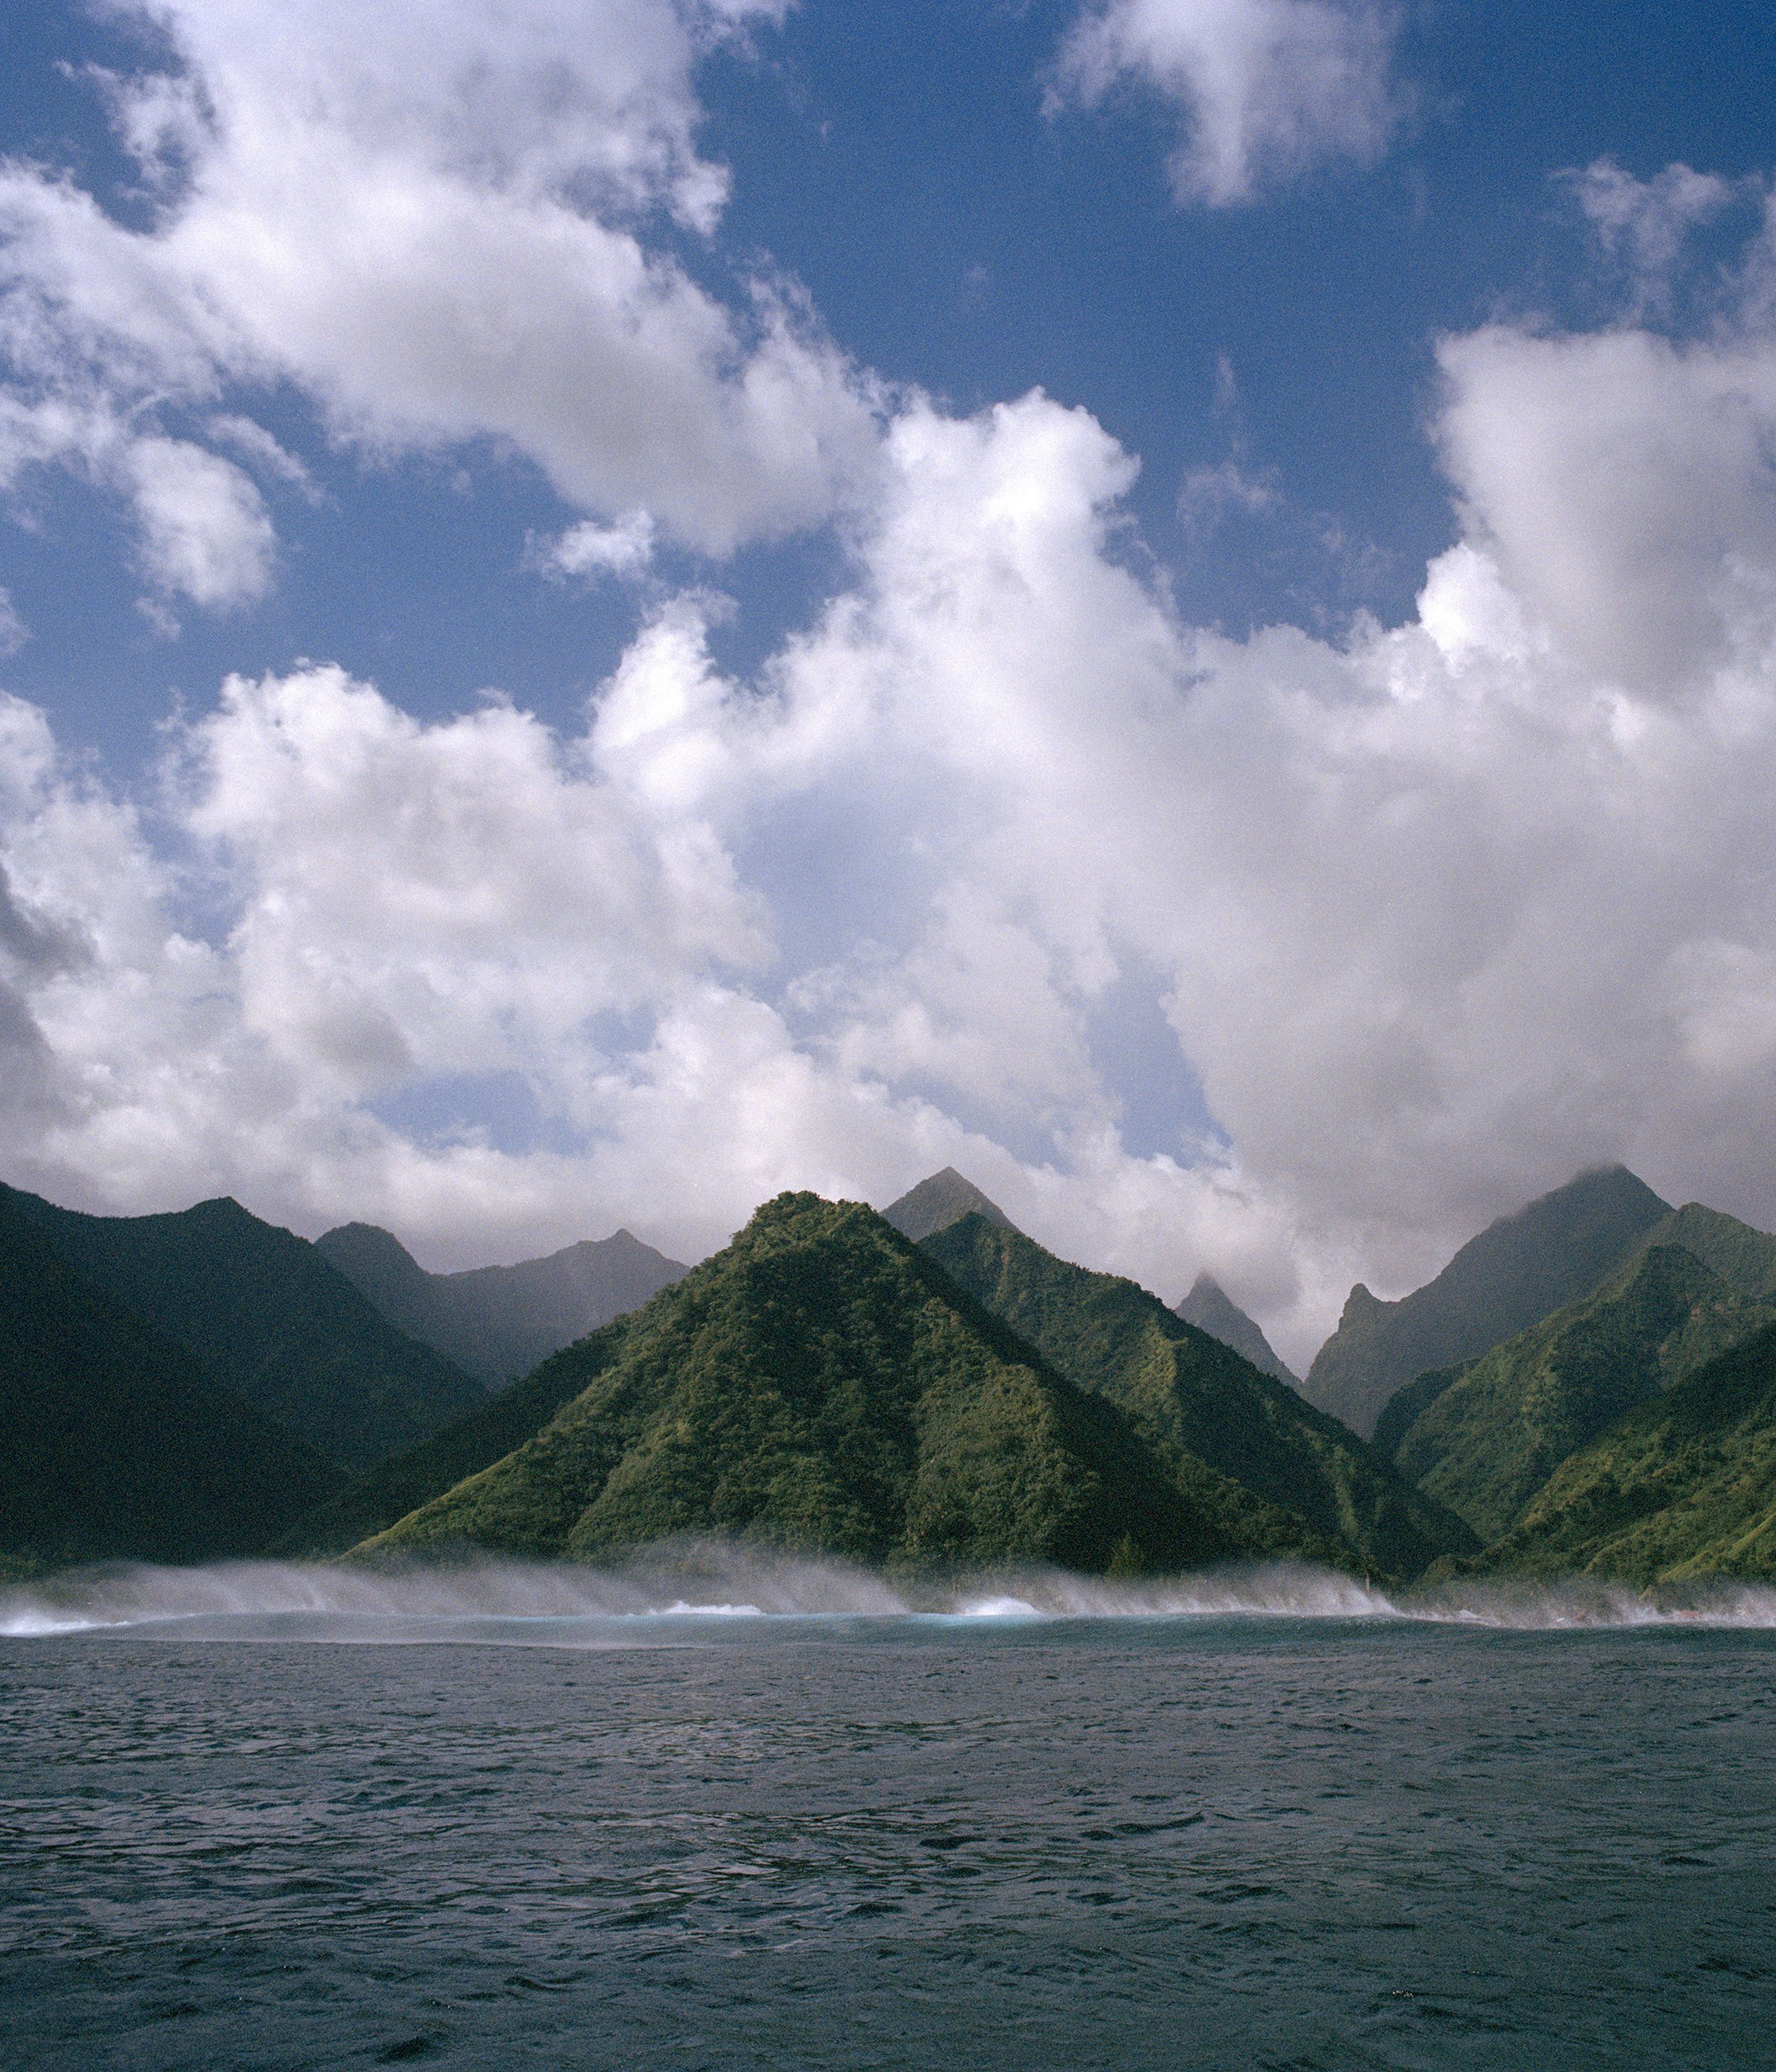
(700, 1591)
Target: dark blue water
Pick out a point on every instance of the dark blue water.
(572, 1838)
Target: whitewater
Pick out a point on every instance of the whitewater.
(686, 1593)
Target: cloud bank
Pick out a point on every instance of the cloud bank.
(1421, 919)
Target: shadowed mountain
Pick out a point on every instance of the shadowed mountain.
(117, 1444)
(821, 1383)
(1197, 1400)
(1210, 1308)
(264, 1315)
(499, 1321)
(1683, 1487)
(1516, 1271)
(1484, 1438)
(936, 1202)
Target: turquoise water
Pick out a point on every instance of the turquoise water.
(786, 1817)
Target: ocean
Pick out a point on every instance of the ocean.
(746, 1814)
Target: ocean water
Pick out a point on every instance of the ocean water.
(727, 1815)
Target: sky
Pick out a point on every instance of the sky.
(613, 606)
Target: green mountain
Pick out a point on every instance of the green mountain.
(936, 1202)
(1683, 1487)
(405, 1481)
(1483, 1438)
(265, 1315)
(499, 1321)
(1198, 1400)
(1210, 1308)
(1744, 1258)
(1516, 1271)
(822, 1383)
(117, 1444)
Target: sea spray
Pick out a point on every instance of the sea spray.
(714, 1584)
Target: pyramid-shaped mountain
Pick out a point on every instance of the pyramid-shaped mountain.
(1517, 1271)
(1485, 1437)
(1211, 1308)
(265, 1315)
(936, 1202)
(497, 1323)
(822, 1383)
(1198, 1401)
(118, 1445)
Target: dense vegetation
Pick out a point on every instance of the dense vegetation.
(1685, 1486)
(823, 1384)
(1516, 1271)
(499, 1321)
(264, 1316)
(1197, 1401)
(116, 1442)
(411, 1478)
(1484, 1438)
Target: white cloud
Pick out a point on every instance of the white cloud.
(13, 631)
(624, 547)
(1644, 224)
(1268, 88)
(204, 531)
(441, 227)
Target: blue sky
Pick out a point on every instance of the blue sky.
(1164, 599)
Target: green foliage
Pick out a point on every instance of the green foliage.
(1683, 1487)
(117, 1444)
(1744, 1258)
(1493, 1433)
(265, 1315)
(822, 1384)
(1516, 1271)
(1328, 1497)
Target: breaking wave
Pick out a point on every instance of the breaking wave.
(705, 1590)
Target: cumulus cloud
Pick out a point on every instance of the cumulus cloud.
(1644, 224)
(624, 547)
(441, 227)
(1267, 89)
(1437, 914)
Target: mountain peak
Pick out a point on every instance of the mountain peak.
(1521, 1268)
(1211, 1308)
(945, 1198)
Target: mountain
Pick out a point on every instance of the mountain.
(405, 1481)
(936, 1202)
(1211, 1308)
(117, 1444)
(1484, 1438)
(1516, 1271)
(1681, 1488)
(821, 1383)
(1198, 1400)
(499, 1321)
(1744, 1258)
(265, 1315)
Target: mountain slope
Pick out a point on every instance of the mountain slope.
(116, 1443)
(1683, 1487)
(936, 1203)
(499, 1321)
(264, 1315)
(1488, 1439)
(1516, 1271)
(1198, 1399)
(1210, 1308)
(820, 1383)
(1744, 1258)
